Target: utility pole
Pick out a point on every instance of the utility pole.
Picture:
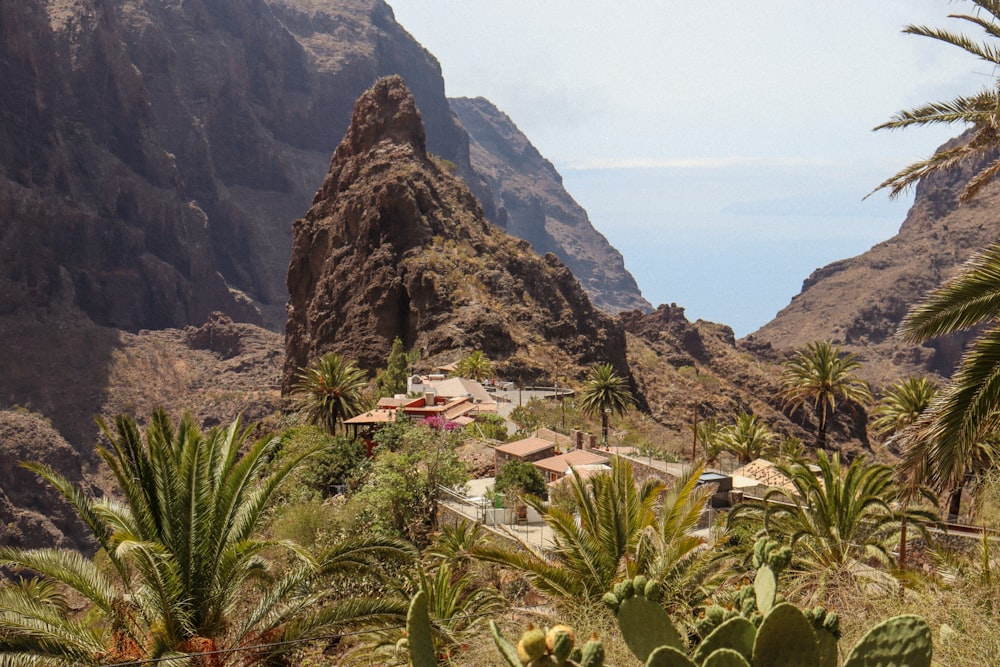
(694, 431)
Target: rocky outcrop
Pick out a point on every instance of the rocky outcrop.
(860, 302)
(394, 245)
(152, 154)
(33, 514)
(687, 370)
(531, 203)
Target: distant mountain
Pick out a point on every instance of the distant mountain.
(395, 246)
(531, 203)
(859, 302)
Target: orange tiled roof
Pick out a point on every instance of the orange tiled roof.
(576, 458)
(525, 447)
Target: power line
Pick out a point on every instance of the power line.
(289, 642)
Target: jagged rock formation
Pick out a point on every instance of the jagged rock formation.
(532, 204)
(152, 154)
(859, 302)
(396, 246)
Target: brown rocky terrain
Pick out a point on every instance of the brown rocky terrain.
(215, 372)
(680, 366)
(859, 302)
(394, 245)
(532, 204)
(153, 154)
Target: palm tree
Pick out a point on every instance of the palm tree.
(836, 518)
(474, 366)
(708, 434)
(605, 393)
(331, 390)
(186, 573)
(747, 439)
(818, 376)
(978, 111)
(901, 403)
(619, 529)
(954, 436)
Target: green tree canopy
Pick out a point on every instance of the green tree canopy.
(330, 390)
(520, 477)
(393, 380)
(954, 436)
(605, 393)
(474, 366)
(748, 438)
(819, 376)
(620, 528)
(901, 403)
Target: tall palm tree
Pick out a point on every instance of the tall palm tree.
(474, 366)
(186, 573)
(954, 436)
(605, 392)
(901, 403)
(330, 390)
(818, 376)
(978, 110)
(748, 438)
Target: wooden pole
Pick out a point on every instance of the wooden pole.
(694, 439)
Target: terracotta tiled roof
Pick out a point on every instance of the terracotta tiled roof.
(575, 459)
(525, 447)
(376, 416)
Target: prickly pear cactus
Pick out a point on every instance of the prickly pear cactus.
(770, 558)
(736, 634)
(725, 657)
(901, 641)
(826, 625)
(785, 639)
(668, 656)
(645, 625)
(418, 633)
(548, 648)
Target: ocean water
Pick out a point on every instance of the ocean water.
(733, 244)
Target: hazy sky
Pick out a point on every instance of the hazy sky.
(723, 149)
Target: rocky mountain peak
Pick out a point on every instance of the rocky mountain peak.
(388, 113)
(395, 245)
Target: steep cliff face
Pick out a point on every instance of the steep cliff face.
(859, 302)
(532, 204)
(396, 246)
(153, 153)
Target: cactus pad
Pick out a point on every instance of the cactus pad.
(668, 656)
(765, 587)
(645, 625)
(901, 641)
(736, 634)
(725, 657)
(785, 639)
(418, 632)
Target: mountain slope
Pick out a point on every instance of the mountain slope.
(859, 302)
(532, 204)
